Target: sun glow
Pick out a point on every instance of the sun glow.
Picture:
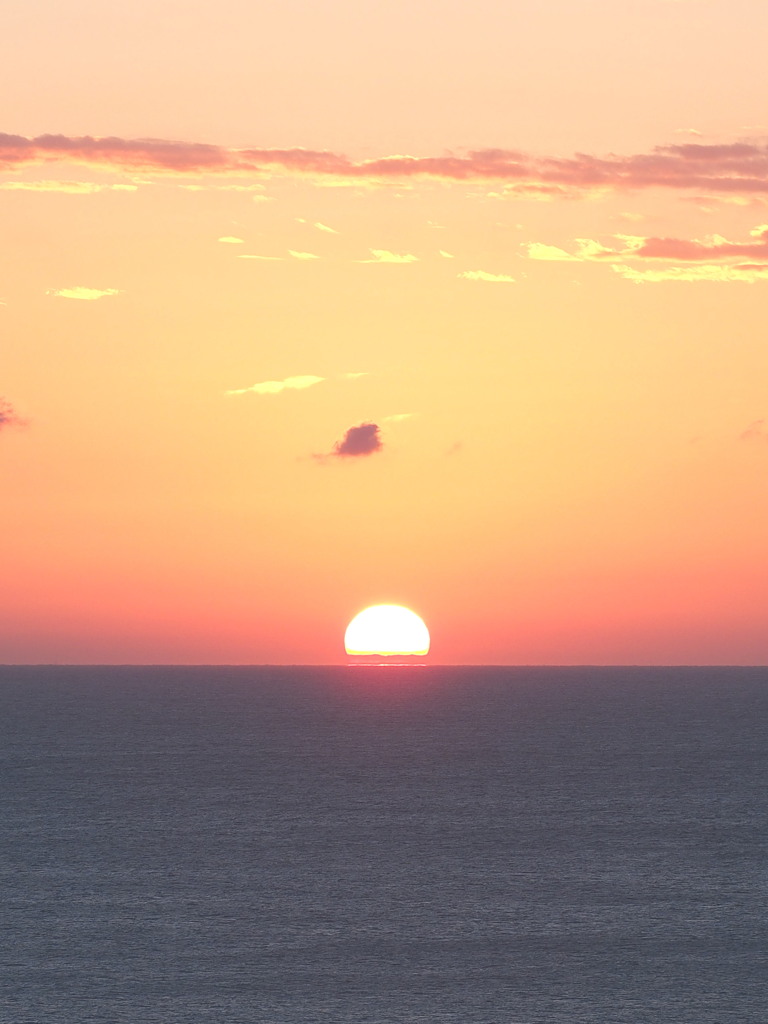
(386, 629)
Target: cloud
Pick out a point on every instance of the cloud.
(71, 187)
(251, 256)
(539, 251)
(364, 439)
(231, 240)
(86, 294)
(729, 168)
(274, 387)
(719, 258)
(385, 256)
(132, 154)
(446, 255)
(709, 203)
(714, 258)
(8, 415)
(398, 417)
(483, 275)
(303, 255)
(736, 167)
(714, 247)
(226, 188)
(745, 272)
(324, 227)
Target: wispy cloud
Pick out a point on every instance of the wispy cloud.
(71, 187)
(231, 240)
(385, 256)
(324, 227)
(197, 187)
(736, 167)
(586, 249)
(85, 294)
(298, 383)
(274, 387)
(540, 251)
(446, 255)
(252, 256)
(745, 272)
(483, 275)
(303, 255)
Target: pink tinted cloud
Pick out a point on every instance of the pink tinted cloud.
(716, 248)
(739, 167)
(123, 154)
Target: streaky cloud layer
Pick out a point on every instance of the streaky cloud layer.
(746, 272)
(735, 167)
(71, 187)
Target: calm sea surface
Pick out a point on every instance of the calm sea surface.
(383, 846)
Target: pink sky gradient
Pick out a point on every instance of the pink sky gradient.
(309, 307)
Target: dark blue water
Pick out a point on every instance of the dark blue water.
(382, 846)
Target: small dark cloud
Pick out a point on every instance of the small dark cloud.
(8, 417)
(364, 439)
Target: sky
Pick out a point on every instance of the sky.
(307, 306)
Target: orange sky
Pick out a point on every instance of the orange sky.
(523, 246)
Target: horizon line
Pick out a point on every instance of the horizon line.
(420, 664)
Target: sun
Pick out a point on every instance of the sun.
(386, 629)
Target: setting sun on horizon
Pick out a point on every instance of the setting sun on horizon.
(387, 630)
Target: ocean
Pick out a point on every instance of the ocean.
(395, 845)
